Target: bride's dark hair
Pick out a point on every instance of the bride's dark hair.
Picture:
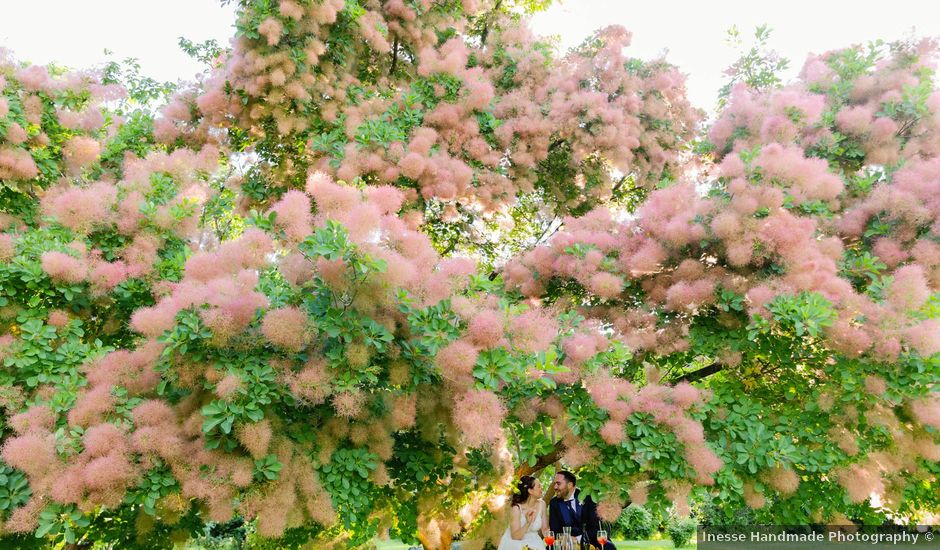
(525, 484)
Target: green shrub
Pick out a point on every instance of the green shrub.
(680, 531)
(634, 523)
(710, 511)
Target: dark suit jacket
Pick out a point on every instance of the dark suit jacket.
(585, 523)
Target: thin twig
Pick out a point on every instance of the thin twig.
(391, 71)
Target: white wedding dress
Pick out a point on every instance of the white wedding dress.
(531, 538)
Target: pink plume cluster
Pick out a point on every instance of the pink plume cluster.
(478, 414)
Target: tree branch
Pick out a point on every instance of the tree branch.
(543, 462)
(486, 26)
(515, 438)
(701, 373)
(391, 71)
(619, 184)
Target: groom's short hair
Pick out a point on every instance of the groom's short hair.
(568, 476)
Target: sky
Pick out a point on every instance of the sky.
(693, 32)
(76, 33)
(690, 32)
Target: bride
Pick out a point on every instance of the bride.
(526, 517)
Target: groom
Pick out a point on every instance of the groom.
(566, 509)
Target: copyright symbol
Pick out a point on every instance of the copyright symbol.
(928, 536)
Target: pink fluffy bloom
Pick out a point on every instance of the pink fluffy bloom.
(228, 386)
(686, 295)
(787, 233)
(311, 384)
(606, 285)
(609, 509)
(704, 461)
(290, 9)
(924, 337)
(855, 120)
(79, 152)
(404, 412)
(112, 471)
(909, 290)
(349, 404)
(17, 163)
(330, 197)
(927, 410)
(889, 251)
(37, 419)
(34, 78)
(689, 432)
(784, 480)
(361, 221)
(58, 318)
(606, 391)
(647, 259)
(412, 165)
(107, 275)
(7, 247)
(685, 394)
(154, 321)
(212, 101)
(848, 338)
(91, 407)
(16, 134)
(286, 327)
(293, 215)
(103, 439)
(272, 30)
(457, 359)
(63, 268)
(478, 414)
(860, 482)
(752, 498)
(579, 454)
(926, 252)
(759, 296)
(552, 406)
(612, 433)
(639, 494)
(25, 518)
(255, 437)
(79, 209)
(205, 266)
(533, 331)
(387, 198)
(726, 224)
(33, 452)
(678, 493)
(333, 272)
(875, 385)
(486, 329)
(296, 268)
(69, 119)
(152, 413)
(579, 347)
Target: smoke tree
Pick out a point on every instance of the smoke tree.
(385, 257)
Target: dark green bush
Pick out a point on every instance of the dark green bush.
(680, 531)
(634, 523)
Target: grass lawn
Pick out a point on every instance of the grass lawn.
(647, 544)
(621, 545)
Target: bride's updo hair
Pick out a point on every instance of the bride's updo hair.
(525, 484)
